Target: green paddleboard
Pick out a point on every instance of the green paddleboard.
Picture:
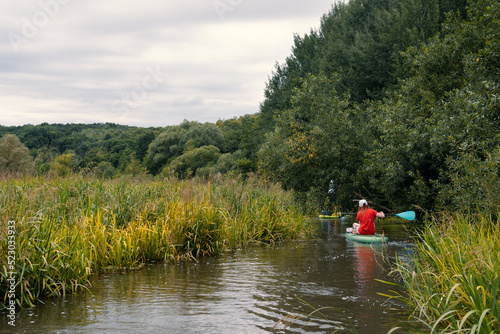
(366, 239)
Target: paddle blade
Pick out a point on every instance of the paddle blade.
(408, 215)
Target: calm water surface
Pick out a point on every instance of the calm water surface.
(256, 290)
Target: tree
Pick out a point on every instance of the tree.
(106, 169)
(187, 164)
(142, 144)
(358, 45)
(14, 156)
(165, 148)
(317, 146)
(43, 160)
(176, 140)
(198, 135)
(286, 78)
(232, 130)
(63, 164)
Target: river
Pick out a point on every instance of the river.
(259, 289)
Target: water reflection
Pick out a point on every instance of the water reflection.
(249, 291)
(366, 267)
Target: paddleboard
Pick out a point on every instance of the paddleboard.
(328, 217)
(366, 239)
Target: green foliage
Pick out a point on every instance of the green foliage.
(90, 143)
(172, 143)
(243, 134)
(396, 101)
(116, 150)
(106, 169)
(316, 144)
(232, 130)
(224, 163)
(70, 230)
(63, 164)
(446, 114)
(453, 281)
(198, 135)
(44, 159)
(474, 183)
(360, 43)
(436, 127)
(188, 163)
(165, 147)
(14, 156)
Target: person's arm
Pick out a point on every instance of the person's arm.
(381, 214)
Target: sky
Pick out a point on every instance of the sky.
(143, 63)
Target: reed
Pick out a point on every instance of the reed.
(68, 230)
(453, 283)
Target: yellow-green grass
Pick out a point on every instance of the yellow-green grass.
(71, 229)
(453, 282)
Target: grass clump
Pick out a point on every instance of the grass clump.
(453, 282)
(68, 230)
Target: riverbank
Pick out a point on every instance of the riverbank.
(453, 282)
(61, 233)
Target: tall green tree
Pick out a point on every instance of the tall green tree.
(287, 77)
(14, 155)
(318, 144)
(359, 43)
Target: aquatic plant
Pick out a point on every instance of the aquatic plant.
(68, 230)
(453, 282)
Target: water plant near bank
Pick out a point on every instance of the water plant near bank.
(68, 230)
(453, 283)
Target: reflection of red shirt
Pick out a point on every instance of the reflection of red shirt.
(366, 220)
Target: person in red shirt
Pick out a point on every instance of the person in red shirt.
(366, 219)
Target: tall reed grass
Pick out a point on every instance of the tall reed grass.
(70, 229)
(453, 283)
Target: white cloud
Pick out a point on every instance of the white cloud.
(72, 61)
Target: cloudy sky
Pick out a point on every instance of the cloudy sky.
(143, 63)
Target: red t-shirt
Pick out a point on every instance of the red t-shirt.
(367, 222)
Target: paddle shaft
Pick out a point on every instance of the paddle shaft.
(408, 215)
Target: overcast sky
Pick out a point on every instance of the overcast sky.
(143, 63)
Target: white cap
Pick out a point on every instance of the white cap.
(363, 202)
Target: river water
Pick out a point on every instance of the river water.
(260, 289)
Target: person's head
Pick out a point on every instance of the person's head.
(363, 205)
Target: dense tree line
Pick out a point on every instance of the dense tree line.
(111, 150)
(203, 149)
(393, 101)
(108, 148)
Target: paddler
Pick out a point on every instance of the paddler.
(366, 219)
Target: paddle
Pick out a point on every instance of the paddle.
(408, 215)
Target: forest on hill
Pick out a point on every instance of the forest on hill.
(393, 101)
(187, 149)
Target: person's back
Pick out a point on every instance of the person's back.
(366, 219)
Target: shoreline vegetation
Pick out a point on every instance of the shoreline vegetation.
(453, 282)
(69, 230)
